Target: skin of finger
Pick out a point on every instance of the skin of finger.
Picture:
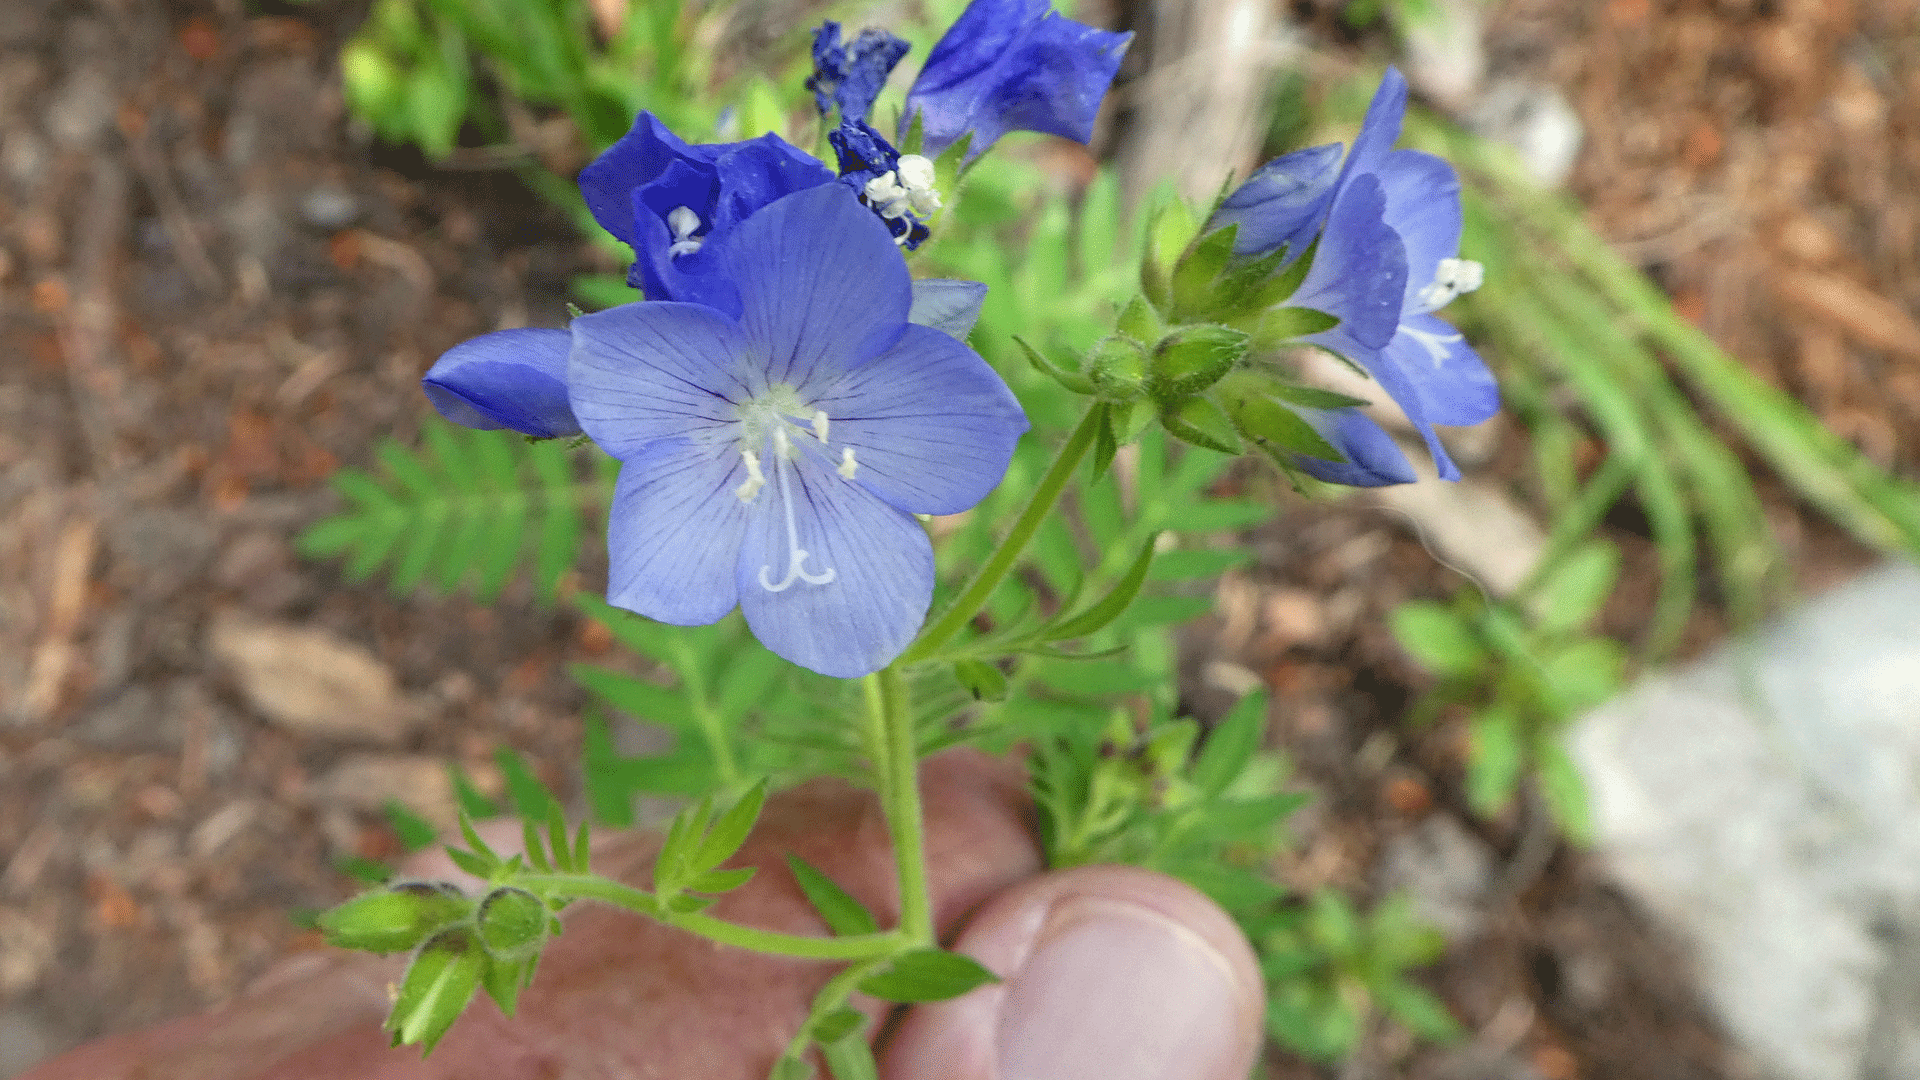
(957, 1040)
(616, 995)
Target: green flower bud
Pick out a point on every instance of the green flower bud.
(435, 991)
(396, 918)
(1117, 367)
(1192, 358)
(512, 923)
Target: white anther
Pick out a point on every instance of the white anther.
(886, 196)
(1435, 344)
(755, 478)
(917, 177)
(1453, 277)
(847, 464)
(820, 425)
(683, 221)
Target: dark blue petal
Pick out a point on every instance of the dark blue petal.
(640, 157)
(674, 532)
(1358, 274)
(882, 567)
(1423, 206)
(758, 171)
(654, 370)
(1284, 202)
(510, 378)
(822, 287)
(851, 76)
(1373, 458)
(947, 305)
(1013, 65)
(932, 426)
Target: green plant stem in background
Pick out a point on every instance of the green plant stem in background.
(969, 603)
(897, 763)
(799, 946)
(712, 725)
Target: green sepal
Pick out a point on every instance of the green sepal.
(1173, 228)
(503, 981)
(1072, 380)
(1201, 422)
(1312, 397)
(511, 923)
(1243, 290)
(714, 882)
(1139, 321)
(396, 918)
(1109, 607)
(1272, 425)
(844, 915)
(1282, 285)
(1193, 278)
(926, 975)
(436, 988)
(1192, 358)
(1105, 445)
(1117, 367)
(984, 681)
(1283, 326)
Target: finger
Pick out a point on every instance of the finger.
(616, 995)
(1109, 972)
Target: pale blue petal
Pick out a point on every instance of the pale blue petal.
(1455, 388)
(1381, 128)
(1358, 274)
(1423, 206)
(822, 287)
(1283, 203)
(674, 532)
(1374, 459)
(507, 379)
(932, 427)
(654, 370)
(947, 305)
(882, 569)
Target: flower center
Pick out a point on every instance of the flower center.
(774, 415)
(683, 222)
(1453, 277)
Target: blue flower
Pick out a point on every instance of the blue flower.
(675, 204)
(1422, 362)
(508, 379)
(898, 187)
(1373, 458)
(775, 460)
(851, 76)
(1012, 65)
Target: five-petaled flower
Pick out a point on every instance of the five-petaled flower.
(1422, 362)
(775, 460)
(1012, 65)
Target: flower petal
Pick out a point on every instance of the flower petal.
(510, 378)
(1454, 386)
(1284, 202)
(1373, 458)
(1423, 206)
(822, 287)
(882, 567)
(653, 370)
(1381, 128)
(674, 532)
(641, 155)
(851, 76)
(931, 425)
(948, 305)
(1358, 274)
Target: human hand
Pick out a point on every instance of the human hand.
(1109, 972)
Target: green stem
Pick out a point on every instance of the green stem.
(981, 587)
(900, 799)
(831, 997)
(711, 728)
(592, 887)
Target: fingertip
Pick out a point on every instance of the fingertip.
(1108, 971)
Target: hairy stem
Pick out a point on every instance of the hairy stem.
(799, 946)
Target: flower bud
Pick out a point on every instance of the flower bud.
(512, 923)
(396, 918)
(1117, 367)
(435, 991)
(1192, 358)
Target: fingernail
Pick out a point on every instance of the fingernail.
(1115, 991)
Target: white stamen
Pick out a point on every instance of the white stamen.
(847, 464)
(820, 425)
(917, 176)
(796, 555)
(683, 221)
(1453, 277)
(887, 197)
(1435, 344)
(755, 478)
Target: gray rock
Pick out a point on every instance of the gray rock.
(1765, 802)
(1536, 120)
(1445, 870)
(330, 208)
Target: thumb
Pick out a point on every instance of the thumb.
(1109, 972)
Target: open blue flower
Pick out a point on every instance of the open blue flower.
(851, 75)
(775, 460)
(674, 203)
(1423, 363)
(1012, 65)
